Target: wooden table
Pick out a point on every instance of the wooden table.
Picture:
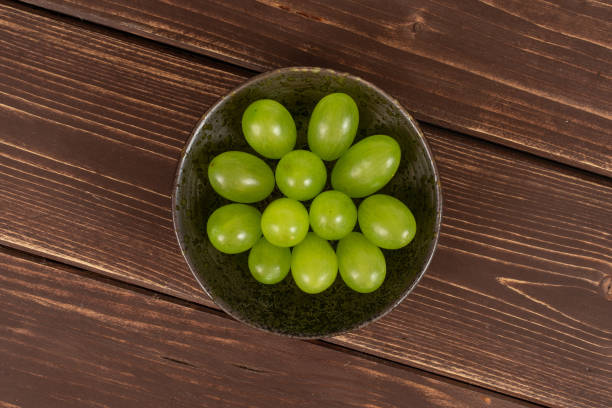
(98, 307)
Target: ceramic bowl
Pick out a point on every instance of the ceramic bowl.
(283, 308)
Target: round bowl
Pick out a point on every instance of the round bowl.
(283, 308)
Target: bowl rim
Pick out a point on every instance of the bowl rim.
(197, 130)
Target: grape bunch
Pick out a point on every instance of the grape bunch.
(359, 171)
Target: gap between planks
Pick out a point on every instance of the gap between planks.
(87, 274)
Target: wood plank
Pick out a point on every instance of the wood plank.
(68, 340)
(535, 76)
(521, 235)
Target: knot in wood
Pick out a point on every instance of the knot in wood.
(606, 287)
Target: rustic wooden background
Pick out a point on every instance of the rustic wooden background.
(98, 306)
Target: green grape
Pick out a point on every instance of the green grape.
(361, 263)
(386, 221)
(332, 215)
(234, 228)
(240, 177)
(333, 125)
(301, 175)
(367, 166)
(268, 263)
(269, 128)
(285, 222)
(313, 264)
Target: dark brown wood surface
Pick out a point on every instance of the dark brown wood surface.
(533, 75)
(93, 125)
(68, 339)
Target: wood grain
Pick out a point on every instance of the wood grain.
(93, 126)
(71, 341)
(534, 75)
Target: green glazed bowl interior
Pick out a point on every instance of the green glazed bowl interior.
(283, 308)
